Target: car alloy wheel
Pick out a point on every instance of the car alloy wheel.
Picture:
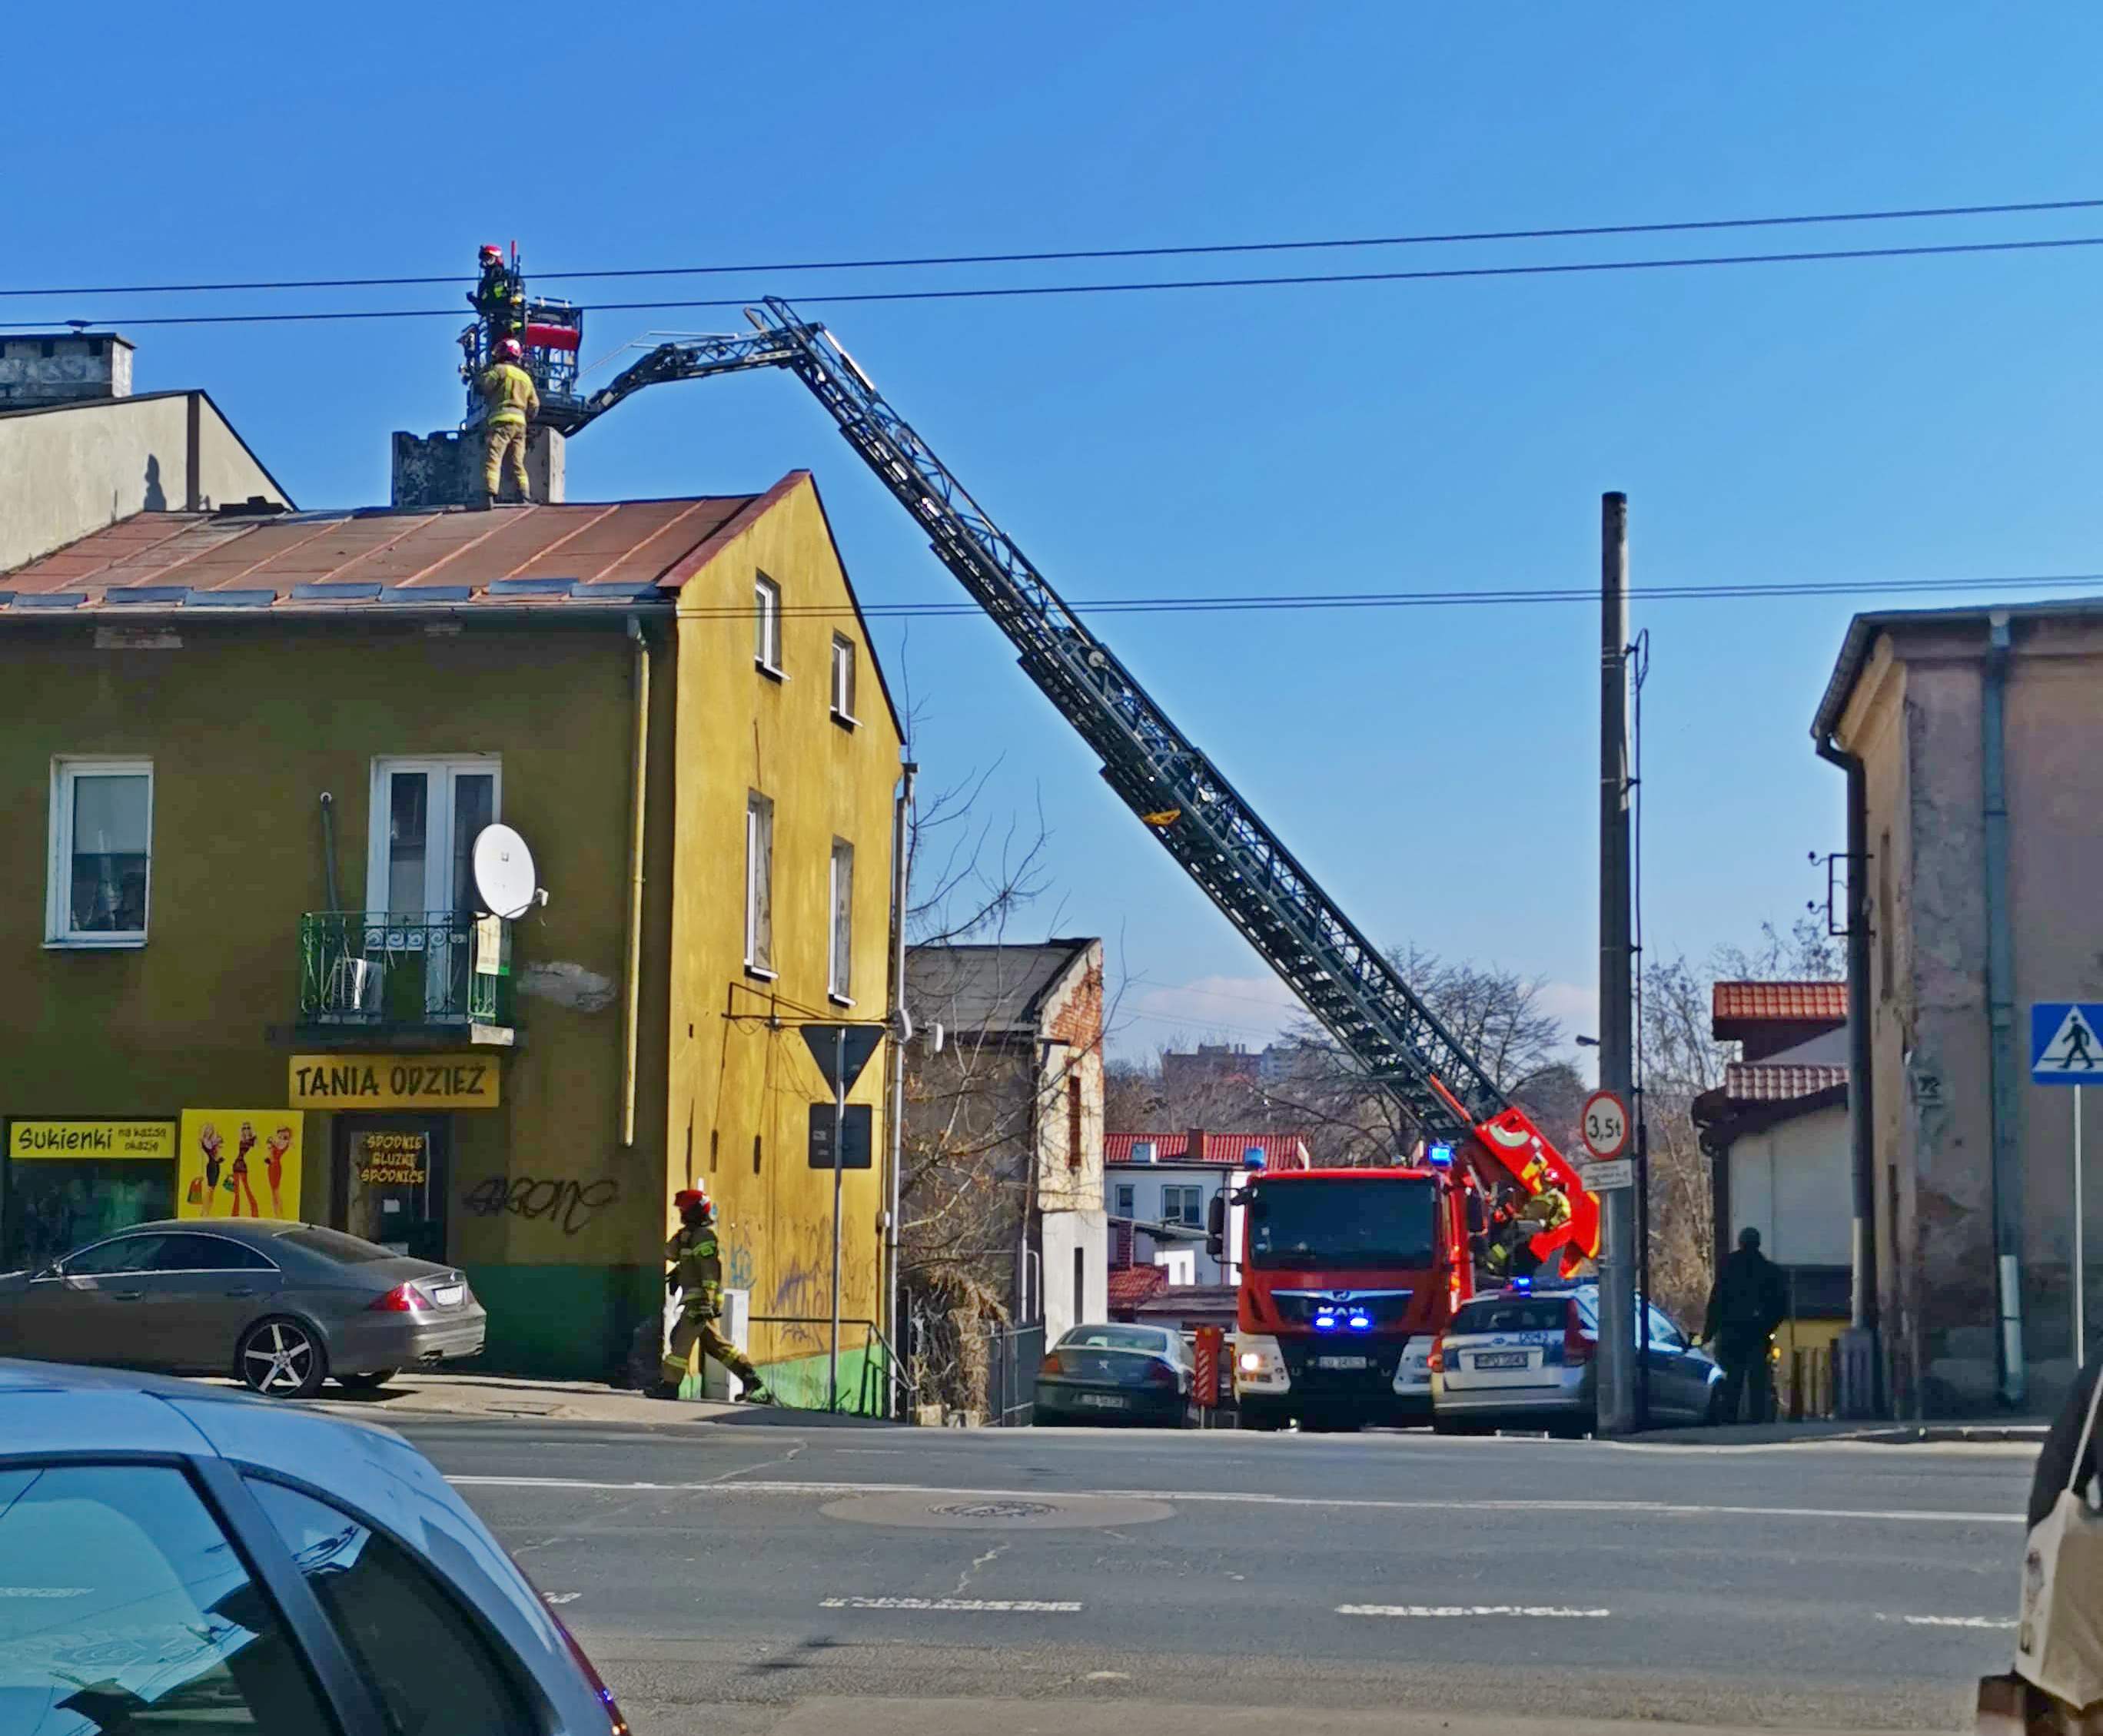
(281, 1358)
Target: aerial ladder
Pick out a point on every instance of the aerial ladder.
(1182, 798)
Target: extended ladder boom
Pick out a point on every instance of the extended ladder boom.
(1183, 799)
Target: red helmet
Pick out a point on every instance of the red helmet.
(508, 350)
(686, 1198)
(491, 250)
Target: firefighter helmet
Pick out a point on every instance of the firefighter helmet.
(491, 250)
(691, 1199)
(508, 350)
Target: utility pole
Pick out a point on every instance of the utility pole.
(1617, 1248)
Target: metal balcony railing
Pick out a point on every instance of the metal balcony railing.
(362, 970)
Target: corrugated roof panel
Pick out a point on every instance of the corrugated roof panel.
(592, 553)
(51, 599)
(145, 594)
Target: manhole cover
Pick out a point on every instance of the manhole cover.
(996, 1512)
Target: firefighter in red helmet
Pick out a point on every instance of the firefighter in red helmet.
(697, 1273)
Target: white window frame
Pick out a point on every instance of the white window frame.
(759, 846)
(767, 626)
(438, 823)
(59, 931)
(1124, 1202)
(1179, 1189)
(839, 921)
(844, 674)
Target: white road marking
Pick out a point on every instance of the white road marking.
(1657, 1509)
(1000, 1606)
(1948, 1621)
(44, 1591)
(560, 1597)
(1560, 1612)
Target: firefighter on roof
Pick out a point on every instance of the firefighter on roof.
(511, 402)
(698, 1274)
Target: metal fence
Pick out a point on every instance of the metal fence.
(1013, 1355)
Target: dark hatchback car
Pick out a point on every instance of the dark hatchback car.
(1115, 1374)
(280, 1307)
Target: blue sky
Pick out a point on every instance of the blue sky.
(1435, 768)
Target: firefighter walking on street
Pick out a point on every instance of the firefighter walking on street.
(511, 402)
(698, 1274)
(1745, 1304)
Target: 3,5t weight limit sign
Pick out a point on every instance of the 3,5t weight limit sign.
(1604, 1125)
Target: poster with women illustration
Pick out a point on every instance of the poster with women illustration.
(239, 1163)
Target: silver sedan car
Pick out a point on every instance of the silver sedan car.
(280, 1307)
(178, 1559)
(1525, 1358)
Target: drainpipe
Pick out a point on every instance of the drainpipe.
(2001, 1014)
(1861, 1082)
(631, 1012)
(901, 1034)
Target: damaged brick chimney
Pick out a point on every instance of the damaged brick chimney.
(445, 468)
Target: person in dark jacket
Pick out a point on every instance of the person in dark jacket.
(1747, 1303)
(2056, 1470)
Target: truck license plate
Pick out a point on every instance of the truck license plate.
(1501, 1359)
(1342, 1362)
(1103, 1400)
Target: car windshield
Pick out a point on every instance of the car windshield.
(1116, 1338)
(333, 1244)
(1385, 1221)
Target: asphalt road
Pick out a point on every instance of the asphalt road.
(731, 1577)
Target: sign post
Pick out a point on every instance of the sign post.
(842, 1052)
(2066, 1049)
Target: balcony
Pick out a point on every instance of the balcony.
(439, 975)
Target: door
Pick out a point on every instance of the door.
(391, 1178)
(1679, 1380)
(93, 1307)
(420, 874)
(201, 1293)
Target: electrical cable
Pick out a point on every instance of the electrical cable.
(1567, 233)
(837, 298)
(1748, 591)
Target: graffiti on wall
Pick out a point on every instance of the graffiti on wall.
(569, 1205)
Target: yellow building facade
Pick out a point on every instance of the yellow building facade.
(789, 740)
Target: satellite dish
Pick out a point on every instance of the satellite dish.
(504, 872)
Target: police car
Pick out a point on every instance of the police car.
(1526, 1357)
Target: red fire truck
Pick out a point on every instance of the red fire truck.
(1347, 1276)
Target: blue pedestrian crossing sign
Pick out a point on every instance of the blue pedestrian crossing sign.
(2067, 1042)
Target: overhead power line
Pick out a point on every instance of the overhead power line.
(1002, 291)
(1567, 233)
(1748, 591)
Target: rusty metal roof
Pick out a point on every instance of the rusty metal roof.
(1780, 1081)
(619, 552)
(1796, 1003)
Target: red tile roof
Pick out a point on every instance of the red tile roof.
(547, 556)
(1130, 1285)
(1779, 1081)
(1805, 1003)
(1280, 1150)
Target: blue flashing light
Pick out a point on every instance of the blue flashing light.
(1252, 1157)
(1360, 1323)
(1325, 1321)
(1439, 1157)
(1522, 1284)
